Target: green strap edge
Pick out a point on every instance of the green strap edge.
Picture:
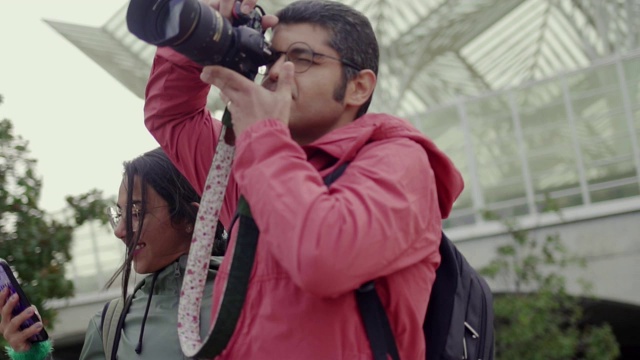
(237, 285)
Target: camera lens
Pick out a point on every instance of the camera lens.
(190, 27)
(200, 33)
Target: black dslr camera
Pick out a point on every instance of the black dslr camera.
(202, 34)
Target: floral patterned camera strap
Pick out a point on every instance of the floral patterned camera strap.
(202, 244)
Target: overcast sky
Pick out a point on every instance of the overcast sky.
(80, 122)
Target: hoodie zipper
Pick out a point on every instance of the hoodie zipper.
(176, 270)
(176, 275)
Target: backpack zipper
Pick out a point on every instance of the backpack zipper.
(474, 334)
(464, 348)
(473, 331)
(483, 321)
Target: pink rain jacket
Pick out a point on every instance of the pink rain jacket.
(380, 220)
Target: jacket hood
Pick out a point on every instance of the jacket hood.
(344, 143)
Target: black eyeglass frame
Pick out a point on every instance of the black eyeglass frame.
(302, 46)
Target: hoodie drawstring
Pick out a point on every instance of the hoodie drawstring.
(146, 312)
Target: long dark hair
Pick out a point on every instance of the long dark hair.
(154, 169)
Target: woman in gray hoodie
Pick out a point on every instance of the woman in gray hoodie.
(154, 217)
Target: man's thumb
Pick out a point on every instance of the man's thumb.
(285, 80)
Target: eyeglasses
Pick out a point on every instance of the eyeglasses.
(115, 216)
(303, 57)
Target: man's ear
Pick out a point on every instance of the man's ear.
(360, 88)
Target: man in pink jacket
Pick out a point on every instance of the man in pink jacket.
(380, 220)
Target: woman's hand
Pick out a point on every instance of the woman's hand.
(10, 326)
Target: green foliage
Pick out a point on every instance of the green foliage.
(89, 206)
(34, 244)
(539, 320)
(37, 244)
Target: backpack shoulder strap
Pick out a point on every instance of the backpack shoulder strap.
(376, 323)
(112, 321)
(110, 316)
(240, 269)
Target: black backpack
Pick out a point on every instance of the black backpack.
(459, 320)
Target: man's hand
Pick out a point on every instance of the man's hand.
(249, 102)
(10, 327)
(225, 8)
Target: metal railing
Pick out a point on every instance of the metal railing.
(572, 138)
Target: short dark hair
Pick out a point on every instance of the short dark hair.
(351, 35)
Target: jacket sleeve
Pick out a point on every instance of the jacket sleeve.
(379, 217)
(176, 115)
(92, 348)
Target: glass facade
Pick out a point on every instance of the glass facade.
(572, 138)
(96, 254)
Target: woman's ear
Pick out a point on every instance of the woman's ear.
(360, 88)
(189, 227)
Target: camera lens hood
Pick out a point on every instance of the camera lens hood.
(162, 22)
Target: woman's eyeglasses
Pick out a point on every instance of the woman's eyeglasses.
(115, 215)
(303, 57)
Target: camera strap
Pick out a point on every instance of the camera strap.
(237, 284)
(202, 243)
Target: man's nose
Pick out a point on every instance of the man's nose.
(274, 70)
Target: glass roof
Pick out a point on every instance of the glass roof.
(432, 51)
(530, 98)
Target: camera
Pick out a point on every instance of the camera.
(202, 34)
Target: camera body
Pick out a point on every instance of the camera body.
(202, 34)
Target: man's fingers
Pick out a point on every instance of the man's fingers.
(285, 80)
(269, 21)
(226, 8)
(248, 5)
(212, 3)
(227, 80)
(216, 76)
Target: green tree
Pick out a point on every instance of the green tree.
(37, 244)
(538, 319)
